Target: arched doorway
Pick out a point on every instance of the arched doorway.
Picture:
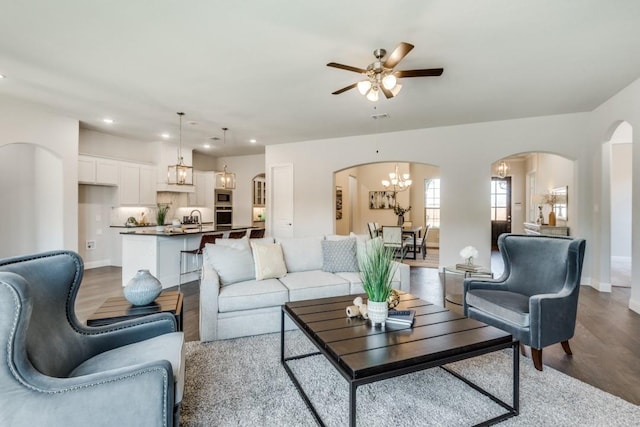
(522, 201)
(353, 194)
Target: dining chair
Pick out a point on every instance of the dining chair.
(392, 238)
(421, 243)
(373, 233)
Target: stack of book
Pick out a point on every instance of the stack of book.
(468, 267)
(401, 317)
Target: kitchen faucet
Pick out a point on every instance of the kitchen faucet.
(199, 218)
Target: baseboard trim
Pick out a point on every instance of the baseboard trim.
(96, 264)
(600, 287)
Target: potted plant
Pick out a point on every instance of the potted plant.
(377, 269)
(160, 216)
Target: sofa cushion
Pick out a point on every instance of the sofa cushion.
(302, 253)
(339, 255)
(233, 261)
(269, 262)
(168, 347)
(312, 284)
(510, 306)
(252, 294)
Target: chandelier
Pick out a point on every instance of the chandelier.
(180, 173)
(226, 180)
(503, 169)
(397, 182)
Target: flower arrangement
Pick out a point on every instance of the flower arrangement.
(377, 269)
(469, 253)
(549, 199)
(399, 210)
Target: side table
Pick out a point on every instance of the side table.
(118, 308)
(454, 295)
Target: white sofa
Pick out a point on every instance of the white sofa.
(234, 302)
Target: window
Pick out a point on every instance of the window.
(432, 202)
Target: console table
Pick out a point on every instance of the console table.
(545, 230)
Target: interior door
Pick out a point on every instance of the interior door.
(500, 208)
(280, 200)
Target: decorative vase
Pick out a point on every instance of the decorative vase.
(469, 261)
(378, 312)
(143, 288)
(400, 220)
(552, 218)
(540, 219)
(159, 228)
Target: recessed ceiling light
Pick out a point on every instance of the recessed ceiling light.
(107, 120)
(253, 140)
(207, 145)
(165, 135)
(2, 76)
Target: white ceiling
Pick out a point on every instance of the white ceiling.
(259, 67)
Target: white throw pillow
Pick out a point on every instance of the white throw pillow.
(234, 263)
(302, 253)
(242, 243)
(268, 259)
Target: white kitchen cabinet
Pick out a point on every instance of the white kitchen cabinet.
(137, 185)
(97, 171)
(204, 183)
(259, 191)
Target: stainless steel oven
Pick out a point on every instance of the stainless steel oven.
(224, 216)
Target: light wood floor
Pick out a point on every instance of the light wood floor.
(606, 345)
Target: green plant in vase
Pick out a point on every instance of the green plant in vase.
(161, 214)
(377, 269)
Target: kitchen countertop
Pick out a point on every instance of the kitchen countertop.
(153, 225)
(172, 231)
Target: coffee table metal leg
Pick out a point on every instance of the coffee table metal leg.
(352, 404)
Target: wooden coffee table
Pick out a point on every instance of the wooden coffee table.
(116, 309)
(363, 354)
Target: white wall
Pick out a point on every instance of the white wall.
(105, 145)
(51, 215)
(463, 153)
(621, 175)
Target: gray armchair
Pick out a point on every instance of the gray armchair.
(57, 372)
(536, 299)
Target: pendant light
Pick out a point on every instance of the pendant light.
(180, 174)
(225, 180)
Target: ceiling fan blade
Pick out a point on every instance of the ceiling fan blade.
(419, 73)
(386, 92)
(398, 53)
(347, 67)
(344, 89)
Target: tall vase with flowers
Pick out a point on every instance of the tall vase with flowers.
(400, 211)
(551, 199)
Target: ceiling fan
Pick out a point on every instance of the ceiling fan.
(381, 76)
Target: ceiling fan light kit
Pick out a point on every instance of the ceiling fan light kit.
(381, 76)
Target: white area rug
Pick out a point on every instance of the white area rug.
(240, 382)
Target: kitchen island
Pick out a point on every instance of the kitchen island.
(160, 252)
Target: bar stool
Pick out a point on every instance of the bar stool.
(256, 233)
(206, 238)
(237, 234)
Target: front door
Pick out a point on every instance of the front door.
(500, 208)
